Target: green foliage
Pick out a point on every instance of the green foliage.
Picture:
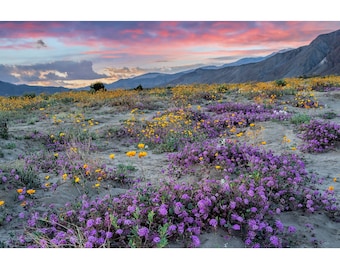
(29, 95)
(328, 115)
(11, 145)
(29, 177)
(300, 118)
(281, 82)
(3, 129)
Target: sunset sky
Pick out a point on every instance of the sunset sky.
(76, 53)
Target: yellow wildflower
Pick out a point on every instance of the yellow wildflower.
(200, 158)
(98, 170)
(47, 177)
(218, 167)
(76, 179)
(112, 156)
(252, 125)
(330, 188)
(239, 134)
(30, 191)
(97, 185)
(64, 176)
(263, 143)
(334, 179)
(20, 190)
(142, 154)
(131, 153)
(293, 148)
(61, 134)
(47, 185)
(85, 166)
(24, 203)
(2, 203)
(141, 145)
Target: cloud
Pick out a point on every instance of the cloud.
(54, 71)
(41, 44)
(123, 73)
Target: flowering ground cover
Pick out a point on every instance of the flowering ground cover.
(256, 162)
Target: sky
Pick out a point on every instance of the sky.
(76, 53)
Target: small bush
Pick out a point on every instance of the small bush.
(300, 119)
(3, 130)
(281, 82)
(96, 87)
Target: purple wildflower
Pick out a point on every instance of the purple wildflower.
(291, 229)
(89, 223)
(195, 241)
(156, 239)
(279, 225)
(143, 231)
(162, 210)
(222, 221)
(236, 227)
(253, 209)
(108, 234)
(88, 245)
(213, 222)
(232, 204)
(274, 240)
(98, 221)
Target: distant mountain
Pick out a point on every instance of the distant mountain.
(246, 60)
(147, 80)
(321, 57)
(8, 89)
(150, 80)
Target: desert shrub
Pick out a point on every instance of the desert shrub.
(3, 129)
(300, 118)
(281, 82)
(328, 115)
(96, 87)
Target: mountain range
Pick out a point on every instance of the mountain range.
(320, 58)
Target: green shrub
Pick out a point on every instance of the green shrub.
(300, 118)
(3, 129)
(96, 87)
(281, 82)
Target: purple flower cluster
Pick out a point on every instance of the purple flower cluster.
(257, 187)
(249, 113)
(319, 136)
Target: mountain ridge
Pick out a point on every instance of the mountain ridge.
(320, 58)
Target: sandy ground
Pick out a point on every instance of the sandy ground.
(324, 233)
